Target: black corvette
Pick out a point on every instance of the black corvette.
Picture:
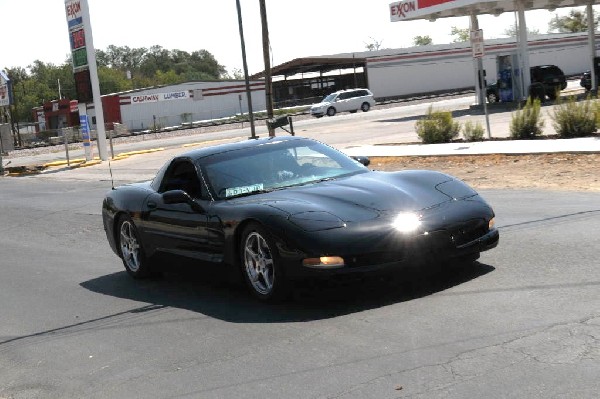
(284, 208)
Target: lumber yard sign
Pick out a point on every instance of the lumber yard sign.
(152, 98)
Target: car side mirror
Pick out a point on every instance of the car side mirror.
(180, 197)
(362, 160)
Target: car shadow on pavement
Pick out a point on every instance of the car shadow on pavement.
(219, 297)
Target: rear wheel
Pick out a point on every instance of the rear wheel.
(132, 254)
(330, 111)
(492, 97)
(260, 263)
(365, 107)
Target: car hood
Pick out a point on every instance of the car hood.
(320, 105)
(367, 196)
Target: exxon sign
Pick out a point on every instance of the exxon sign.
(74, 12)
(410, 9)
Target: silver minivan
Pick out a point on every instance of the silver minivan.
(344, 100)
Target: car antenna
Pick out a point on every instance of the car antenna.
(112, 181)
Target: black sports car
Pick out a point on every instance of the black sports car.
(284, 208)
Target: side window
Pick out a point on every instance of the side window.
(181, 175)
(344, 96)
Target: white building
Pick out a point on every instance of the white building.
(185, 103)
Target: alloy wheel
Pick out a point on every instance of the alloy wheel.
(130, 248)
(259, 264)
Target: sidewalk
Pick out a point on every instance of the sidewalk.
(538, 146)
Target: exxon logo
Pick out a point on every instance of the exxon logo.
(73, 9)
(399, 10)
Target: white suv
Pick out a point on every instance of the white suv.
(344, 100)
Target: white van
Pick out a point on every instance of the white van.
(344, 100)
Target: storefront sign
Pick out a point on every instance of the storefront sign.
(152, 98)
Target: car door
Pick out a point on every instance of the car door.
(180, 227)
(355, 100)
(343, 102)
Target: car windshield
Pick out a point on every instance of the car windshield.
(329, 98)
(275, 165)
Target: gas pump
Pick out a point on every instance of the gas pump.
(509, 87)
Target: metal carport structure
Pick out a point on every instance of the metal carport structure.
(433, 9)
(316, 65)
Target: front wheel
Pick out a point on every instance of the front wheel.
(261, 266)
(132, 254)
(365, 107)
(330, 111)
(492, 98)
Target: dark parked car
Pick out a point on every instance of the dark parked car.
(546, 81)
(279, 209)
(586, 80)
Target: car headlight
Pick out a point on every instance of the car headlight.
(407, 222)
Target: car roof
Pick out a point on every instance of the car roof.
(545, 67)
(221, 148)
(348, 90)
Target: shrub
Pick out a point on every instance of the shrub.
(596, 106)
(574, 119)
(525, 122)
(437, 127)
(473, 132)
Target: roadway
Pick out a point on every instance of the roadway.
(524, 321)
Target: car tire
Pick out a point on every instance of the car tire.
(261, 265)
(492, 98)
(365, 107)
(552, 94)
(537, 91)
(330, 111)
(134, 259)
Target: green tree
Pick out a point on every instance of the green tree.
(460, 34)
(41, 82)
(112, 80)
(422, 40)
(373, 45)
(575, 21)
(512, 31)
(235, 74)
(167, 78)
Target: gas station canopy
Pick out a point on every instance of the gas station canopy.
(433, 9)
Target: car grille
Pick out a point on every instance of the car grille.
(468, 231)
(422, 247)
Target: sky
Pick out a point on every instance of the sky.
(37, 29)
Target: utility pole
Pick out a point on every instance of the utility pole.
(266, 56)
(248, 91)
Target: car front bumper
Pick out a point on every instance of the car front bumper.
(435, 247)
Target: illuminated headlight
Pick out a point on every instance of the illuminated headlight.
(491, 224)
(324, 262)
(407, 222)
